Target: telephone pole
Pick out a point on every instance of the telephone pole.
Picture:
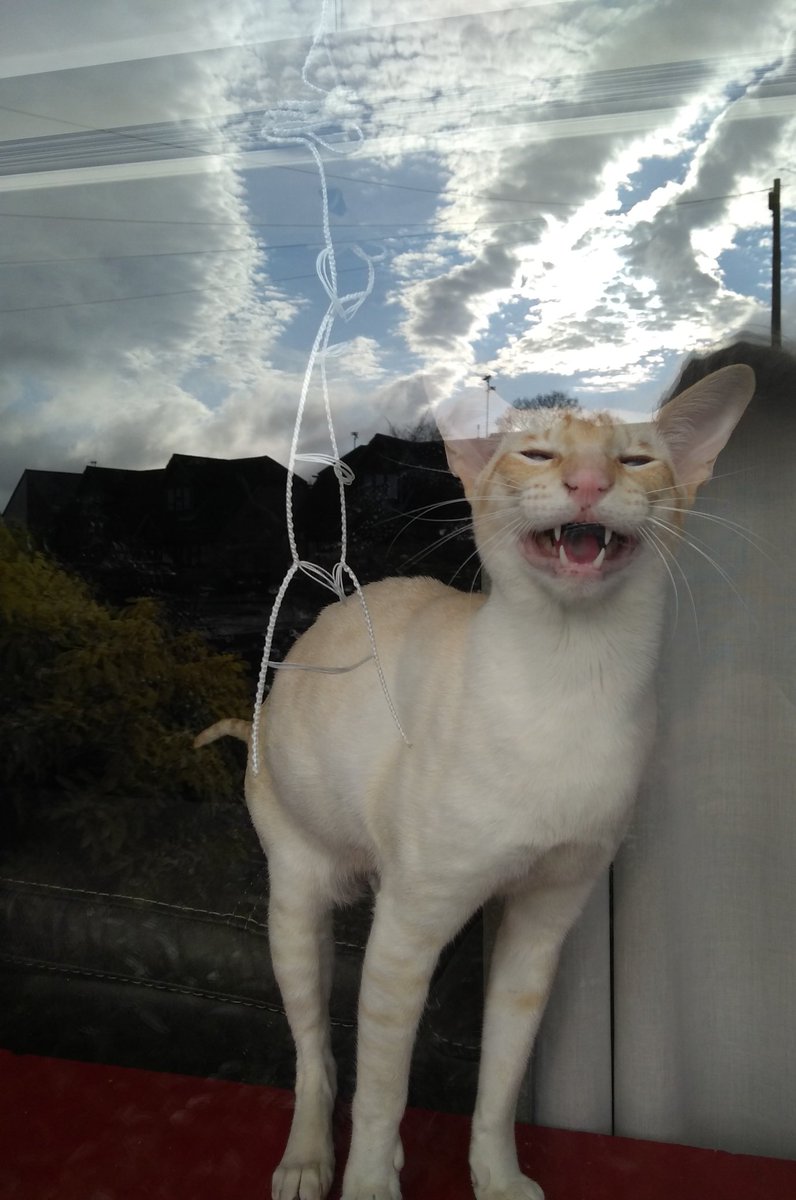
(487, 379)
(776, 260)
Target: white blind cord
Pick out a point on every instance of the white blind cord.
(300, 123)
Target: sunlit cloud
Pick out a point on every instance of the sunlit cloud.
(569, 194)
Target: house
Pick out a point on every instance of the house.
(218, 519)
(208, 535)
(40, 497)
(406, 513)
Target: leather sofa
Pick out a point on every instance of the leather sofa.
(156, 955)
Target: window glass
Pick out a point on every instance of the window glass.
(243, 237)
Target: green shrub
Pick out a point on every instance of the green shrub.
(100, 704)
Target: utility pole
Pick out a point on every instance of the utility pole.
(776, 262)
(354, 435)
(487, 379)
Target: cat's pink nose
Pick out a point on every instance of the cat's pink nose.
(586, 484)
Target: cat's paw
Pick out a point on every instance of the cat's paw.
(520, 1187)
(302, 1181)
(372, 1189)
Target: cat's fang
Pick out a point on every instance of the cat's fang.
(562, 554)
(600, 559)
(609, 533)
(557, 534)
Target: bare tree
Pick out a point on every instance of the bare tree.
(547, 400)
(422, 430)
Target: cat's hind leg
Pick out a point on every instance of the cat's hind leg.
(302, 949)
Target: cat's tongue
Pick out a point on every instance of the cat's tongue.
(582, 545)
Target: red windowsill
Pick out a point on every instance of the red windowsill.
(82, 1131)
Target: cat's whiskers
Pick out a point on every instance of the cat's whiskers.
(415, 466)
(514, 529)
(694, 543)
(685, 484)
(662, 549)
(478, 572)
(749, 535)
(461, 567)
(421, 516)
(418, 514)
(466, 527)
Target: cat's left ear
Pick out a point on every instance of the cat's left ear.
(697, 424)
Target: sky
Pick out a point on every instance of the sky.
(566, 195)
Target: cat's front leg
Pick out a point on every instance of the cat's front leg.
(402, 951)
(532, 930)
(302, 947)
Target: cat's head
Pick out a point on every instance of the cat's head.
(567, 498)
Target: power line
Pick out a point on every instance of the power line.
(110, 131)
(107, 300)
(98, 258)
(714, 199)
(246, 225)
(431, 232)
(241, 224)
(428, 230)
(159, 295)
(413, 187)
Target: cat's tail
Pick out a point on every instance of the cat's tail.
(229, 727)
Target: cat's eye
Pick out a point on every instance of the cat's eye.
(538, 455)
(635, 460)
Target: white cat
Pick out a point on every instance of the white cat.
(529, 712)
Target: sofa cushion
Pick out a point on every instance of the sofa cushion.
(158, 957)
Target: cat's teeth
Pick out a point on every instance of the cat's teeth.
(609, 533)
(557, 533)
(562, 554)
(600, 559)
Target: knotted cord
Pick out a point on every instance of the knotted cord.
(307, 123)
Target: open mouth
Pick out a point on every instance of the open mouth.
(578, 549)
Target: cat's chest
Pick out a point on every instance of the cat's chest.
(562, 757)
(555, 754)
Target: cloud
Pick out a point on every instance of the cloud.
(360, 358)
(130, 307)
(610, 292)
(537, 183)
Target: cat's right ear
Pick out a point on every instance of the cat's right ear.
(462, 421)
